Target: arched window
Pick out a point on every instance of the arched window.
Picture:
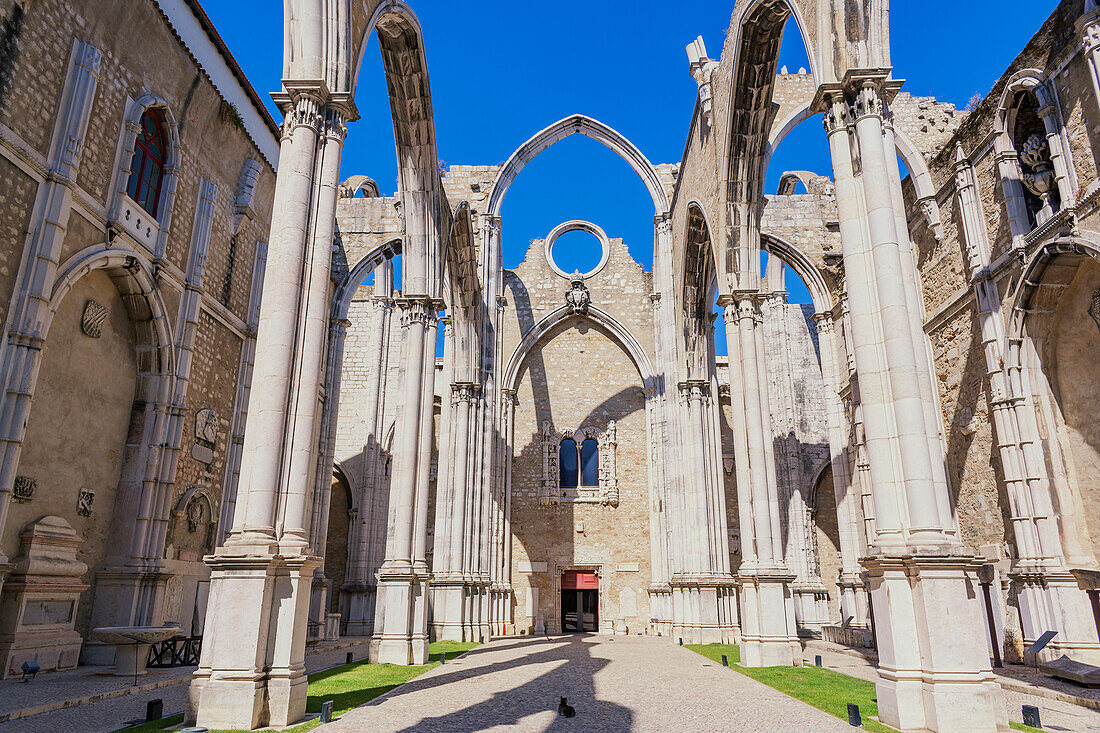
(567, 464)
(147, 167)
(590, 463)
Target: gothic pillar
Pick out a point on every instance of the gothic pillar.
(400, 634)
(1088, 26)
(845, 490)
(252, 670)
(934, 670)
(769, 636)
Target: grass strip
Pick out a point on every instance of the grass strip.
(824, 689)
(348, 686)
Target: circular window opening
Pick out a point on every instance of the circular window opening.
(577, 246)
(577, 251)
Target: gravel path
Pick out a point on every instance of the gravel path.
(620, 683)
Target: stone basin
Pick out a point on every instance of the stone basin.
(132, 645)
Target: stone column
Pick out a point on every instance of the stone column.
(402, 579)
(934, 670)
(252, 669)
(29, 310)
(769, 636)
(852, 592)
(448, 579)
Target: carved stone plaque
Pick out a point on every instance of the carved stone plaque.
(84, 503)
(23, 489)
(91, 323)
(206, 425)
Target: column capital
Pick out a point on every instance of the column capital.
(663, 223)
(464, 391)
(421, 310)
(694, 390)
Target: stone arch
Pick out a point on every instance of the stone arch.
(133, 275)
(699, 284)
(572, 125)
(619, 332)
(1022, 217)
(1054, 392)
(804, 268)
(345, 289)
(914, 161)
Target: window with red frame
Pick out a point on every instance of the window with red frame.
(147, 168)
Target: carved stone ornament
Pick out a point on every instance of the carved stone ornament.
(577, 297)
(23, 489)
(206, 425)
(84, 503)
(194, 514)
(1094, 309)
(91, 323)
(1035, 155)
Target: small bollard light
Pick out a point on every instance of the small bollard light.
(154, 710)
(30, 669)
(1031, 716)
(681, 640)
(347, 659)
(443, 657)
(817, 660)
(326, 711)
(725, 661)
(853, 715)
(194, 729)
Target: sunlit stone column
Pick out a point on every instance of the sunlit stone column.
(934, 669)
(252, 670)
(400, 636)
(769, 636)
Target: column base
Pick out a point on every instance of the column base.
(811, 607)
(934, 668)
(769, 635)
(700, 613)
(401, 619)
(1052, 600)
(357, 606)
(252, 670)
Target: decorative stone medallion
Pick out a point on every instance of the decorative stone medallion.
(91, 323)
(23, 489)
(84, 503)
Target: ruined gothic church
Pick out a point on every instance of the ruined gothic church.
(223, 409)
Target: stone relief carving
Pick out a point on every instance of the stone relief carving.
(577, 297)
(206, 435)
(607, 493)
(1035, 154)
(84, 502)
(206, 425)
(1094, 309)
(23, 489)
(91, 323)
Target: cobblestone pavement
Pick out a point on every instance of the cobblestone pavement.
(1054, 714)
(618, 684)
(112, 714)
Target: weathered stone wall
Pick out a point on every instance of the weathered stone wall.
(81, 399)
(577, 376)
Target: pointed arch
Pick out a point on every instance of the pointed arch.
(566, 127)
(619, 332)
(803, 267)
(345, 289)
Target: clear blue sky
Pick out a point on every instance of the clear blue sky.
(501, 70)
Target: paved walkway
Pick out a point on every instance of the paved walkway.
(620, 683)
(114, 712)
